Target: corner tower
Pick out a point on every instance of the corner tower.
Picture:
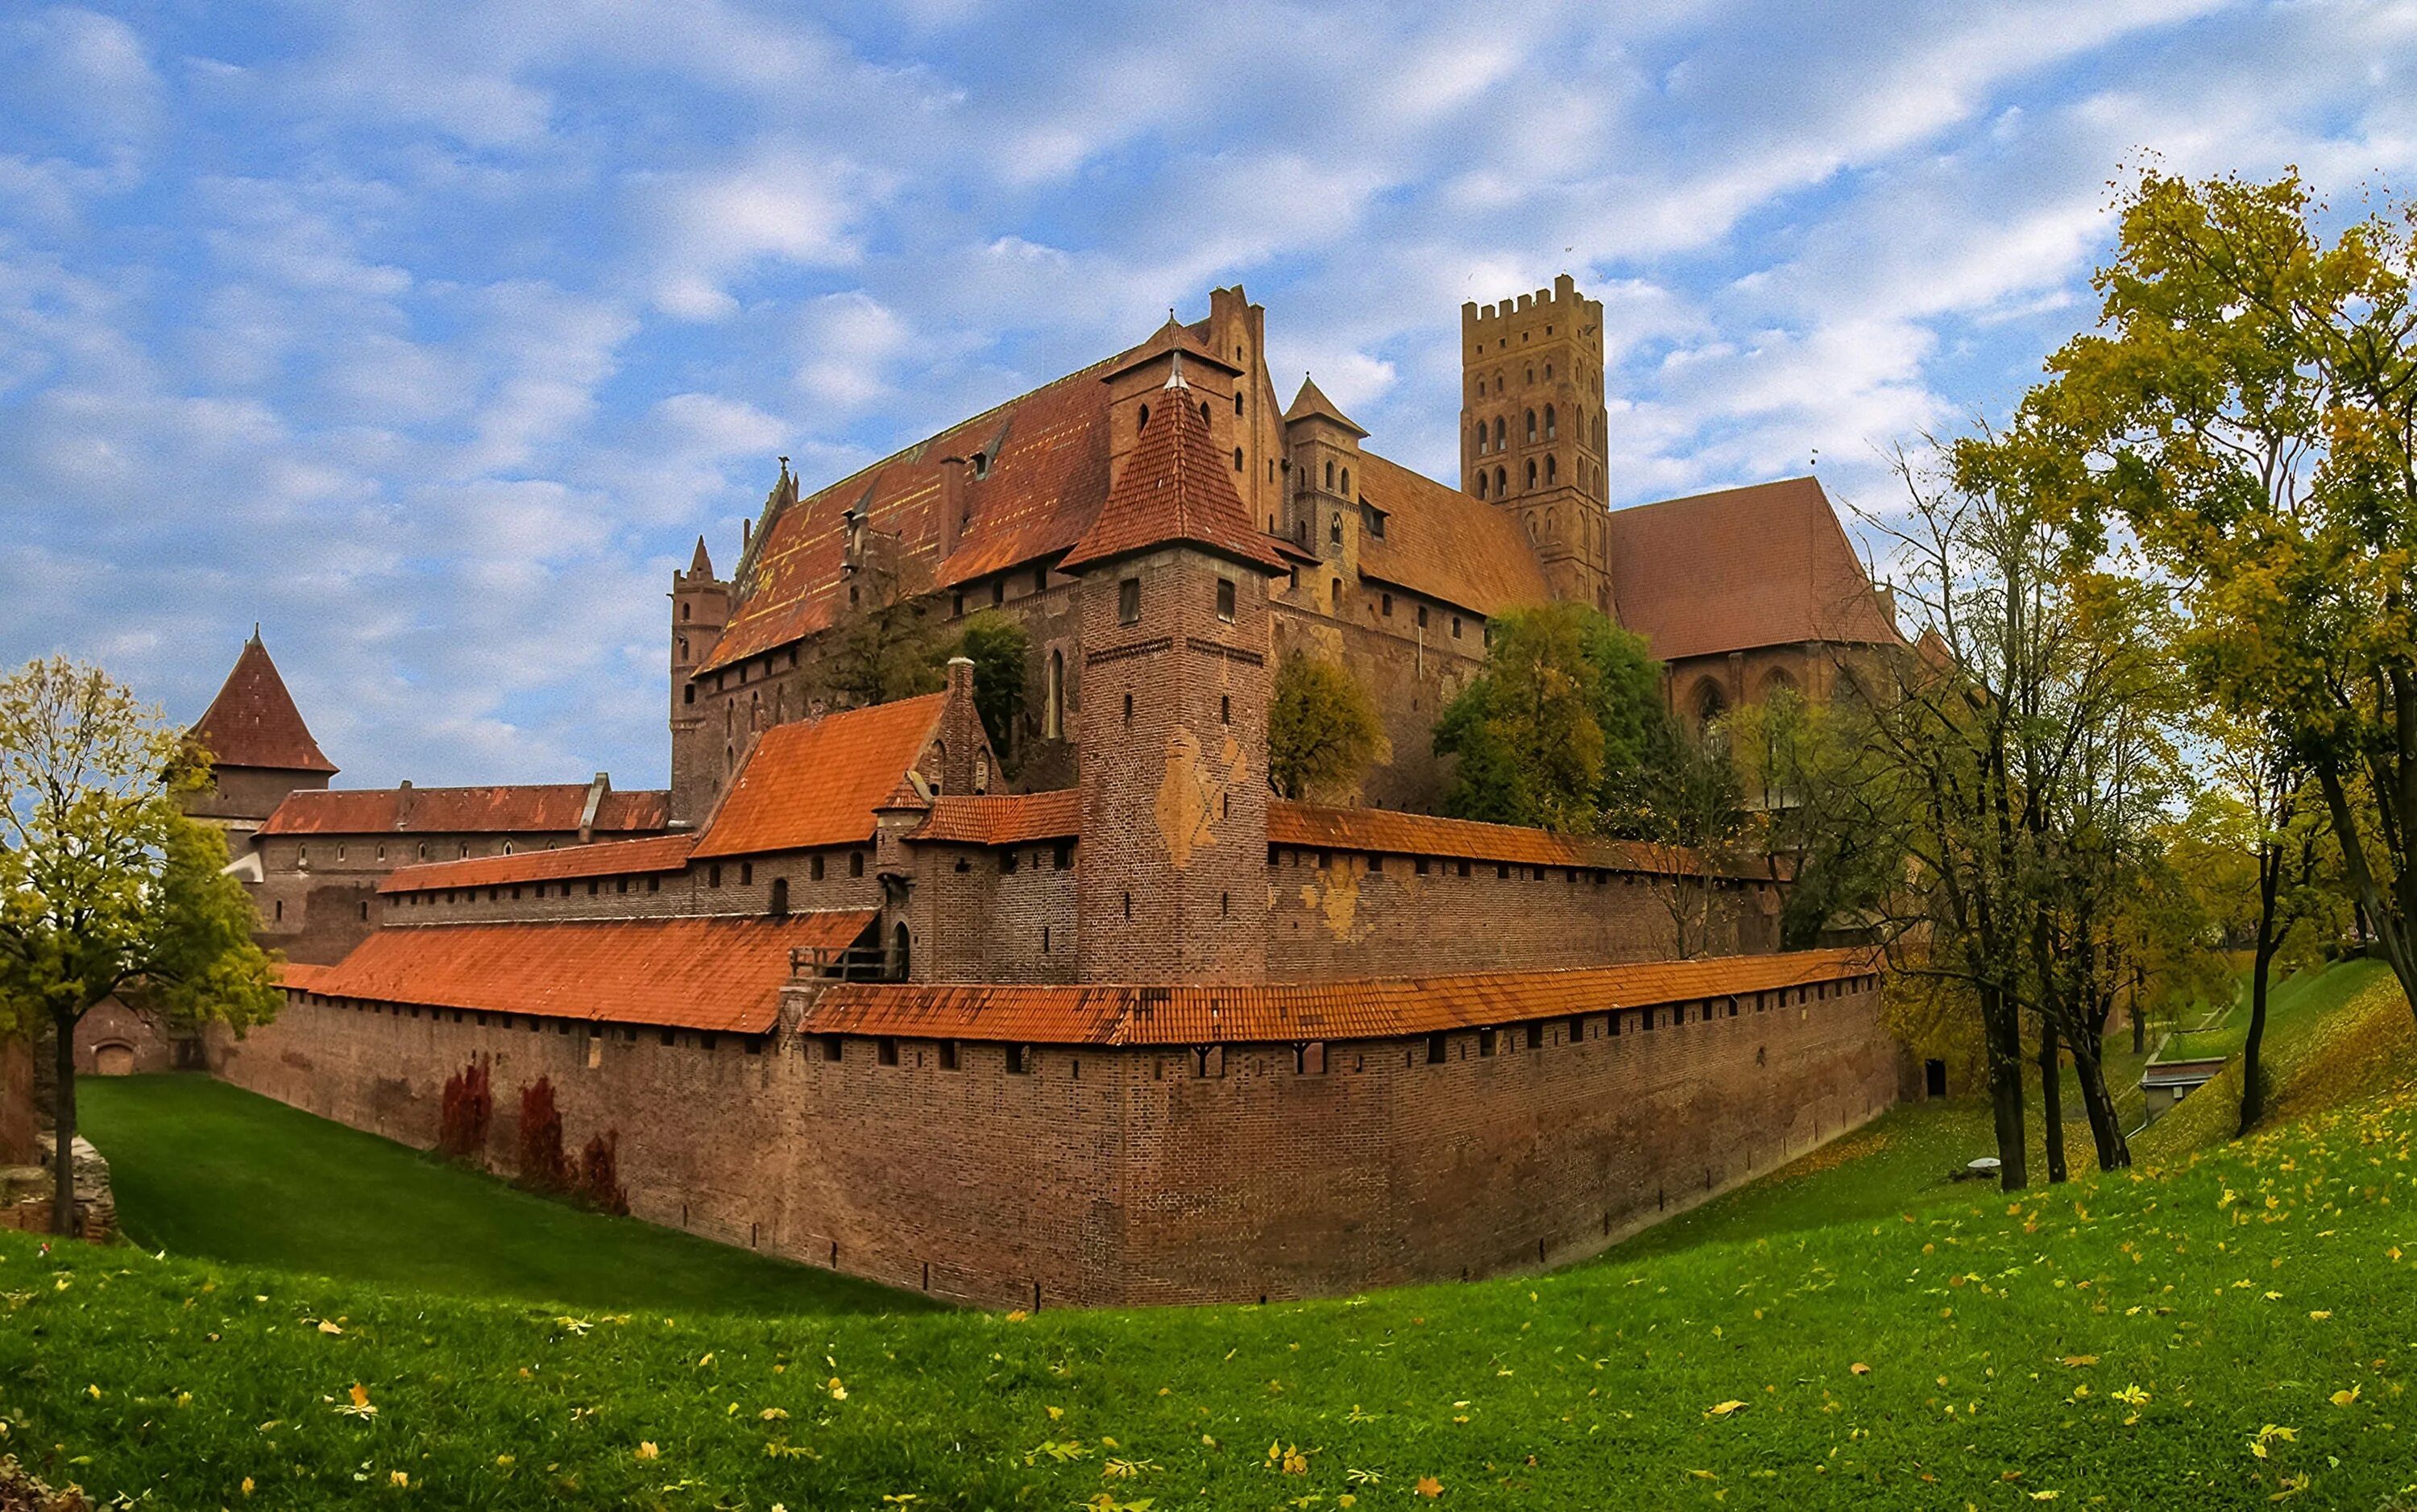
(1172, 870)
(260, 750)
(1532, 427)
(700, 610)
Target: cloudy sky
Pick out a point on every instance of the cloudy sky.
(429, 336)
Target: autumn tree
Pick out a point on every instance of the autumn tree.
(997, 648)
(1322, 729)
(2247, 407)
(886, 641)
(1818, 802)
(106, 888)
(1560, 728)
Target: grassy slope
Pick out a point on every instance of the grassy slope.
(2237, 1293)
(205, 1170)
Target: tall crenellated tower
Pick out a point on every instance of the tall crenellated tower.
(1532, 428)
(1172, 883)
(700, 609)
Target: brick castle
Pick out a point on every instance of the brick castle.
(1126, 1027)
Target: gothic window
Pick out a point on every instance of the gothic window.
(755, 712)
(1501, 432)
(1204, 412)
(1532, 425)
(1238, 404)
(1552, 471)
(1144, 420)
(1346, 482)
(1480, 482)
(1552, 424)
(1531, 471)
(1711, 703)
(1530, 376)
(1481, 452)
(1237, 459)
(1501, 482)
(1330, 472)
(1053, 717)
(1335, 528)
(1548, 370)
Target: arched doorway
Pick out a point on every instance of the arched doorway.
(116, 1058)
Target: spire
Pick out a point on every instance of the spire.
(1175, 374)
(1313, 400)
(701, 564)
(253, 723)
(1174, 488)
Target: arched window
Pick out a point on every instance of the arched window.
(684, 610)
(1329, 472)
(1532, 425)
(1238, 404)
(1346, 482)
(1480, 482)
(1053, 714)
(683, 645)
(729, 720)
(1776, 683)
(1237, 459)
(1711, 703)
(1501, 432)
(1548, 372)
(1531, 524)
(1204, 411)
(1144, 420)
(1481, 452)
(1335, 528)
(1531, 471)
(1501, 483)
(1552, 471)
(1530, 375)
(900, 963)
(1552, 424)
(755, 712)
(1552, 524)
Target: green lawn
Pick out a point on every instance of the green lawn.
(2238, 1328)
(208, 1170)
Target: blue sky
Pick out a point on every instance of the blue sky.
(430, 336)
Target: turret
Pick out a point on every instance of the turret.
(1322, 513)
(259, 747)
(700, 609)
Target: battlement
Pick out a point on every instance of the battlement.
(1490, 320)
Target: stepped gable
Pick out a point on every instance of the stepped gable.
(712, 973)
(1392, 832)
(817, 781)
(1311, 400)
(537, 808)
(1762, 565)
(253, 723)
(610, 859)
(1441, 542)
(1375, 1009)
(1174, 488)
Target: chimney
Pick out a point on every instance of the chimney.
(601, 785)
(961, 677)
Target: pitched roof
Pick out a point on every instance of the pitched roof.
(1441, 542)
(1311, 400)
(1047, 475)
(1004, 819)
(1766, 564)
(1392, 832)
(713, 973)
(1294, 1011)
(817, 781)
(609, 858)
(298, 976)
(1174, 488)
(253, 723)
(527, 808)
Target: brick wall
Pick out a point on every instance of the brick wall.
(1348, 918)
(1111, 1175)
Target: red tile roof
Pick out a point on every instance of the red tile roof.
(608, 858)
(1174, 488)
(1004, 819)
(1441, 542)
(529, 809)
(253, 723)
(1311, 400)
(1767, 565)
(1391, 832)
(1047, 475)
(721, 975)
(817, 781)
(1374, 1009)
(297, 976)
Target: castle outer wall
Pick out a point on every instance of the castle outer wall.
(1104, 1175)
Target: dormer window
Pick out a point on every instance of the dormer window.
(982, 465)
(1372, 520)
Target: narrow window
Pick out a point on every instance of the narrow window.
(1129, 601)
(1225, 600)
(1577, 1029)
(1127, 710)
(1224, 708)
(780, 904)
(747, 873)
(1144, 420)
(1237, 459)
(1385, 605)
(1455, 626)
(1237, 399)
(713, 875)
(1334, 529)
(1044, 939)
(1019, 1061)
(1040, 581)
(1008, 860)
(1437, 1048)
(814, 866)
(1552, 425)
(1532, 425)
(1418, 866)
(947, 1055)
(1053, 718)
(856, 863)
(886, 1050)
(1330, 472)
(998, 592)
(1065, 855)
(1535, 1036)
(1485, 1042)
(1480, 482)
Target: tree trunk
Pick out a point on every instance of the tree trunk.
(2252, 1071)
(2139, 1029)
(2004, 1031)
(2106, 1126)
(2051, 1099)
(63, 1128)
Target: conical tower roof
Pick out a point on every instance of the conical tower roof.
(1313, 400)
(1174, 488)
(701, 564)
(253, 723)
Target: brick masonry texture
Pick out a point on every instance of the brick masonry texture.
(1122, 1177)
